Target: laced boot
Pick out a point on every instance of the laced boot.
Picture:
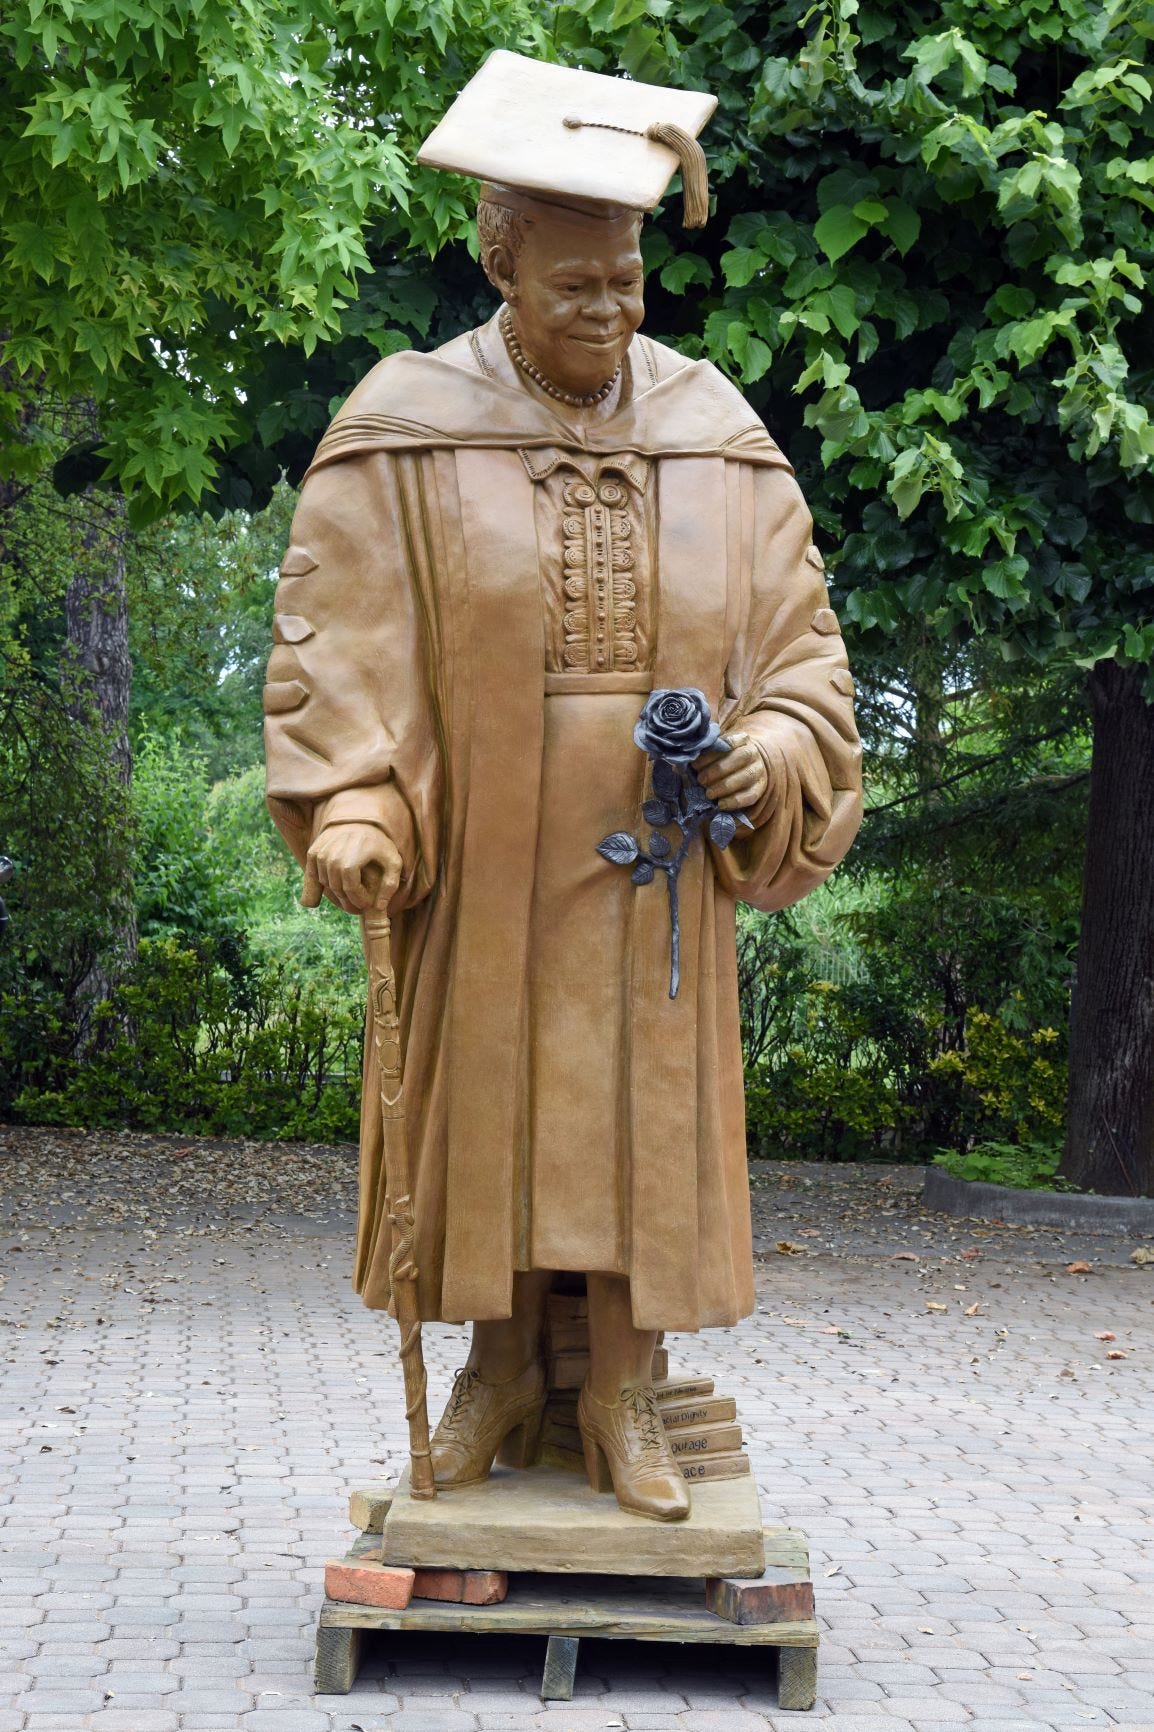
(483, 1417)
(627, 1452)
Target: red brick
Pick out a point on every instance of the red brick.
(367, 1584)
(780, 1596)
(465, 1587)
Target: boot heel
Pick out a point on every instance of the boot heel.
(521, 1446)
(596, 1465)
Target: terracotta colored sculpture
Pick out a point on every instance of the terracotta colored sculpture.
(501, 550)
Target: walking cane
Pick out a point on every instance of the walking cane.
(398, 1197)
(398, 1190)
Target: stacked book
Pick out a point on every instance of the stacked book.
(702, 1427)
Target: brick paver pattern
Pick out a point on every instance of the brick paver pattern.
(184, 1410)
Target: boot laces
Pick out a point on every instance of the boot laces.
(642, 1404)
(461, 1399)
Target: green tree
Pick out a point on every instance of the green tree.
(200, 597)
(64, 814)
(928, 268)
(187, 185)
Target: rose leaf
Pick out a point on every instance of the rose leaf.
(657, 812)
(620, 849)
(722, 829)
(659, 846)
(642, 873)
(696, 798)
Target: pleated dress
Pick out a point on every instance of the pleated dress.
(594, 531)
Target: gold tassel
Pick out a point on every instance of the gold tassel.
(694, 173)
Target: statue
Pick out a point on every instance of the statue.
(503, 554)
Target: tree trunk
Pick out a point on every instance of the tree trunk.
(1110, 1112)
(98, 672)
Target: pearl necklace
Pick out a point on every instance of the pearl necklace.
(527, 367)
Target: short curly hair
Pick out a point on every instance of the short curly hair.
(498, 226)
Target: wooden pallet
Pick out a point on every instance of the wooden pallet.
(625, 1608)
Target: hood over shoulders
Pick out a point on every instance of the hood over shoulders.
(415, 401)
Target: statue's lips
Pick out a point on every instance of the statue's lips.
(600, 345)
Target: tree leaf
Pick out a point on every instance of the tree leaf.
(903, 225)
(837, 231)
(684, 269)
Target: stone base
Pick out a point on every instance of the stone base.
(563, 1609)
(548, 1520)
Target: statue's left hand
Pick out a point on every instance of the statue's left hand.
(734, 779)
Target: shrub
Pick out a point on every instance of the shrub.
(1003, 1084)
(194, 1047)
(183, 886)
(899, 1060)
(1025, 1166)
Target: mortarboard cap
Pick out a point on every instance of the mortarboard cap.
(571, 135)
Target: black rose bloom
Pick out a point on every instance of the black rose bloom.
(677, 725)
(674, 728)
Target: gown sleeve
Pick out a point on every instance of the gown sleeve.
(350, 733)
(791, 692)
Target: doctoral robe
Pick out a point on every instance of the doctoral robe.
(479, 593)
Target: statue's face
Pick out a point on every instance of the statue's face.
(576, 295)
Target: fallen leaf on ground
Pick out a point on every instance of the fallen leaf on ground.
(836, 1571)
(1117, 1353)
(971, 1253)
(972, 1310)
(1143, 1256)
(1078, 1269)
(933, 1305)
(789, 1249)
(905, 1257)
(1105, 1335)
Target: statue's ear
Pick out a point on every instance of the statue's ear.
(501, 270)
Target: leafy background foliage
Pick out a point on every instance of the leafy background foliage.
(927, 268)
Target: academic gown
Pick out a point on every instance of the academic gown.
(563, 1111)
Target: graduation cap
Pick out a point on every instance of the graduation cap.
(602, 146)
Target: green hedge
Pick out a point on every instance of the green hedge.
(888, 1066)
(187, 1044)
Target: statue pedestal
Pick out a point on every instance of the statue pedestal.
(774, 1612)
(544, 1518)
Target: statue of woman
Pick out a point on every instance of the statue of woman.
(501, 550)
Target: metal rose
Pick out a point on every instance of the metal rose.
(674, 728)
(677, 725)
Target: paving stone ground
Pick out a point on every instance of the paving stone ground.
(189, 1388)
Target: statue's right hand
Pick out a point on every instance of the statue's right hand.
(356, 865)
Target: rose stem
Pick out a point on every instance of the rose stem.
(674, 933)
